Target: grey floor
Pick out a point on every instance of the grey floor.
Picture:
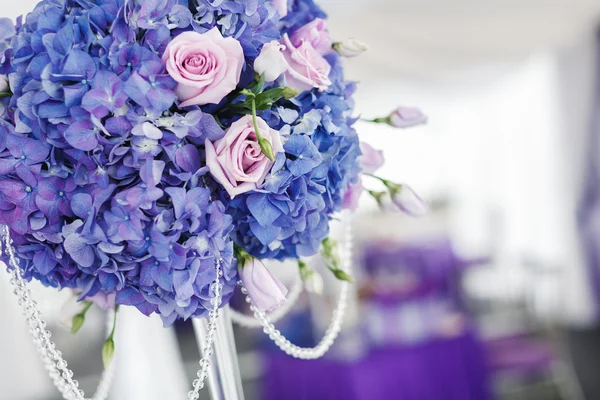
(584, 346)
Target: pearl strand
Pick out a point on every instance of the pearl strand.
(57, 367)
(335, 324)
(209, 338)
(52, 358)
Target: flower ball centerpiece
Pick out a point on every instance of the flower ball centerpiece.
(144, 142)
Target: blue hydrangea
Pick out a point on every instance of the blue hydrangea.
(289, 217)
(103, 180)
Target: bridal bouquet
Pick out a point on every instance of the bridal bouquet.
(144, 141)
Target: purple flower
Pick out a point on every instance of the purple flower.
(106, 96)
(53, 198)
(23, 150)
(124, 225)
(304, 152)
(103, 181)
(151, 87)
(126, 59)
(83, 135)
(78, 71)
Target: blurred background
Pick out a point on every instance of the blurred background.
(493, 295)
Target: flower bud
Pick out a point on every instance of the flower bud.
(78, 322)
(407, 201)
(371, 159)
(267, 149)
(313, 281)
(108, 352)
(4, 86)
(266, 291)
(271, 62)
(350, 48)
(406, 117)
(289, 93)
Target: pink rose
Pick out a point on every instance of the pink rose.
(236, 160)
(281, 6)
(370, 161)
(207, 67)
(316, 34)
(307, 68)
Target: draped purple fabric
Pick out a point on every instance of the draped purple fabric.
(588, 213)
(453, 369)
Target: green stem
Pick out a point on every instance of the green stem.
(88, 305)
(265, 145)
(385, 120)
(384, 181)
(112, 333)
(255, 121)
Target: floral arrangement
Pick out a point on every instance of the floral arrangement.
(142, 141)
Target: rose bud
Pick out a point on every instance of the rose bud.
(406, 117)
(313, 281)
(350, 48)
(271, 62)
(406, 200)
(266, 291)
(4, 86)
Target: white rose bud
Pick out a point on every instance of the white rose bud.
(350, 48)
(4, 87)
(271, 63)
(314, 283)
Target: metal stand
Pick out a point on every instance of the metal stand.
(224, 380)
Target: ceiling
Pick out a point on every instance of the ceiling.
(425, 38)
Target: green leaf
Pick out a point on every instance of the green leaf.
(274, 94)
(260, 85)
(78, 321)
(108, 352)
(265, 100)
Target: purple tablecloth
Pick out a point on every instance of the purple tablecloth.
(444, 370)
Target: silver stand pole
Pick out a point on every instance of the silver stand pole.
(224, 379)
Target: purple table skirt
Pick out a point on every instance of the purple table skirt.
(443, 370)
